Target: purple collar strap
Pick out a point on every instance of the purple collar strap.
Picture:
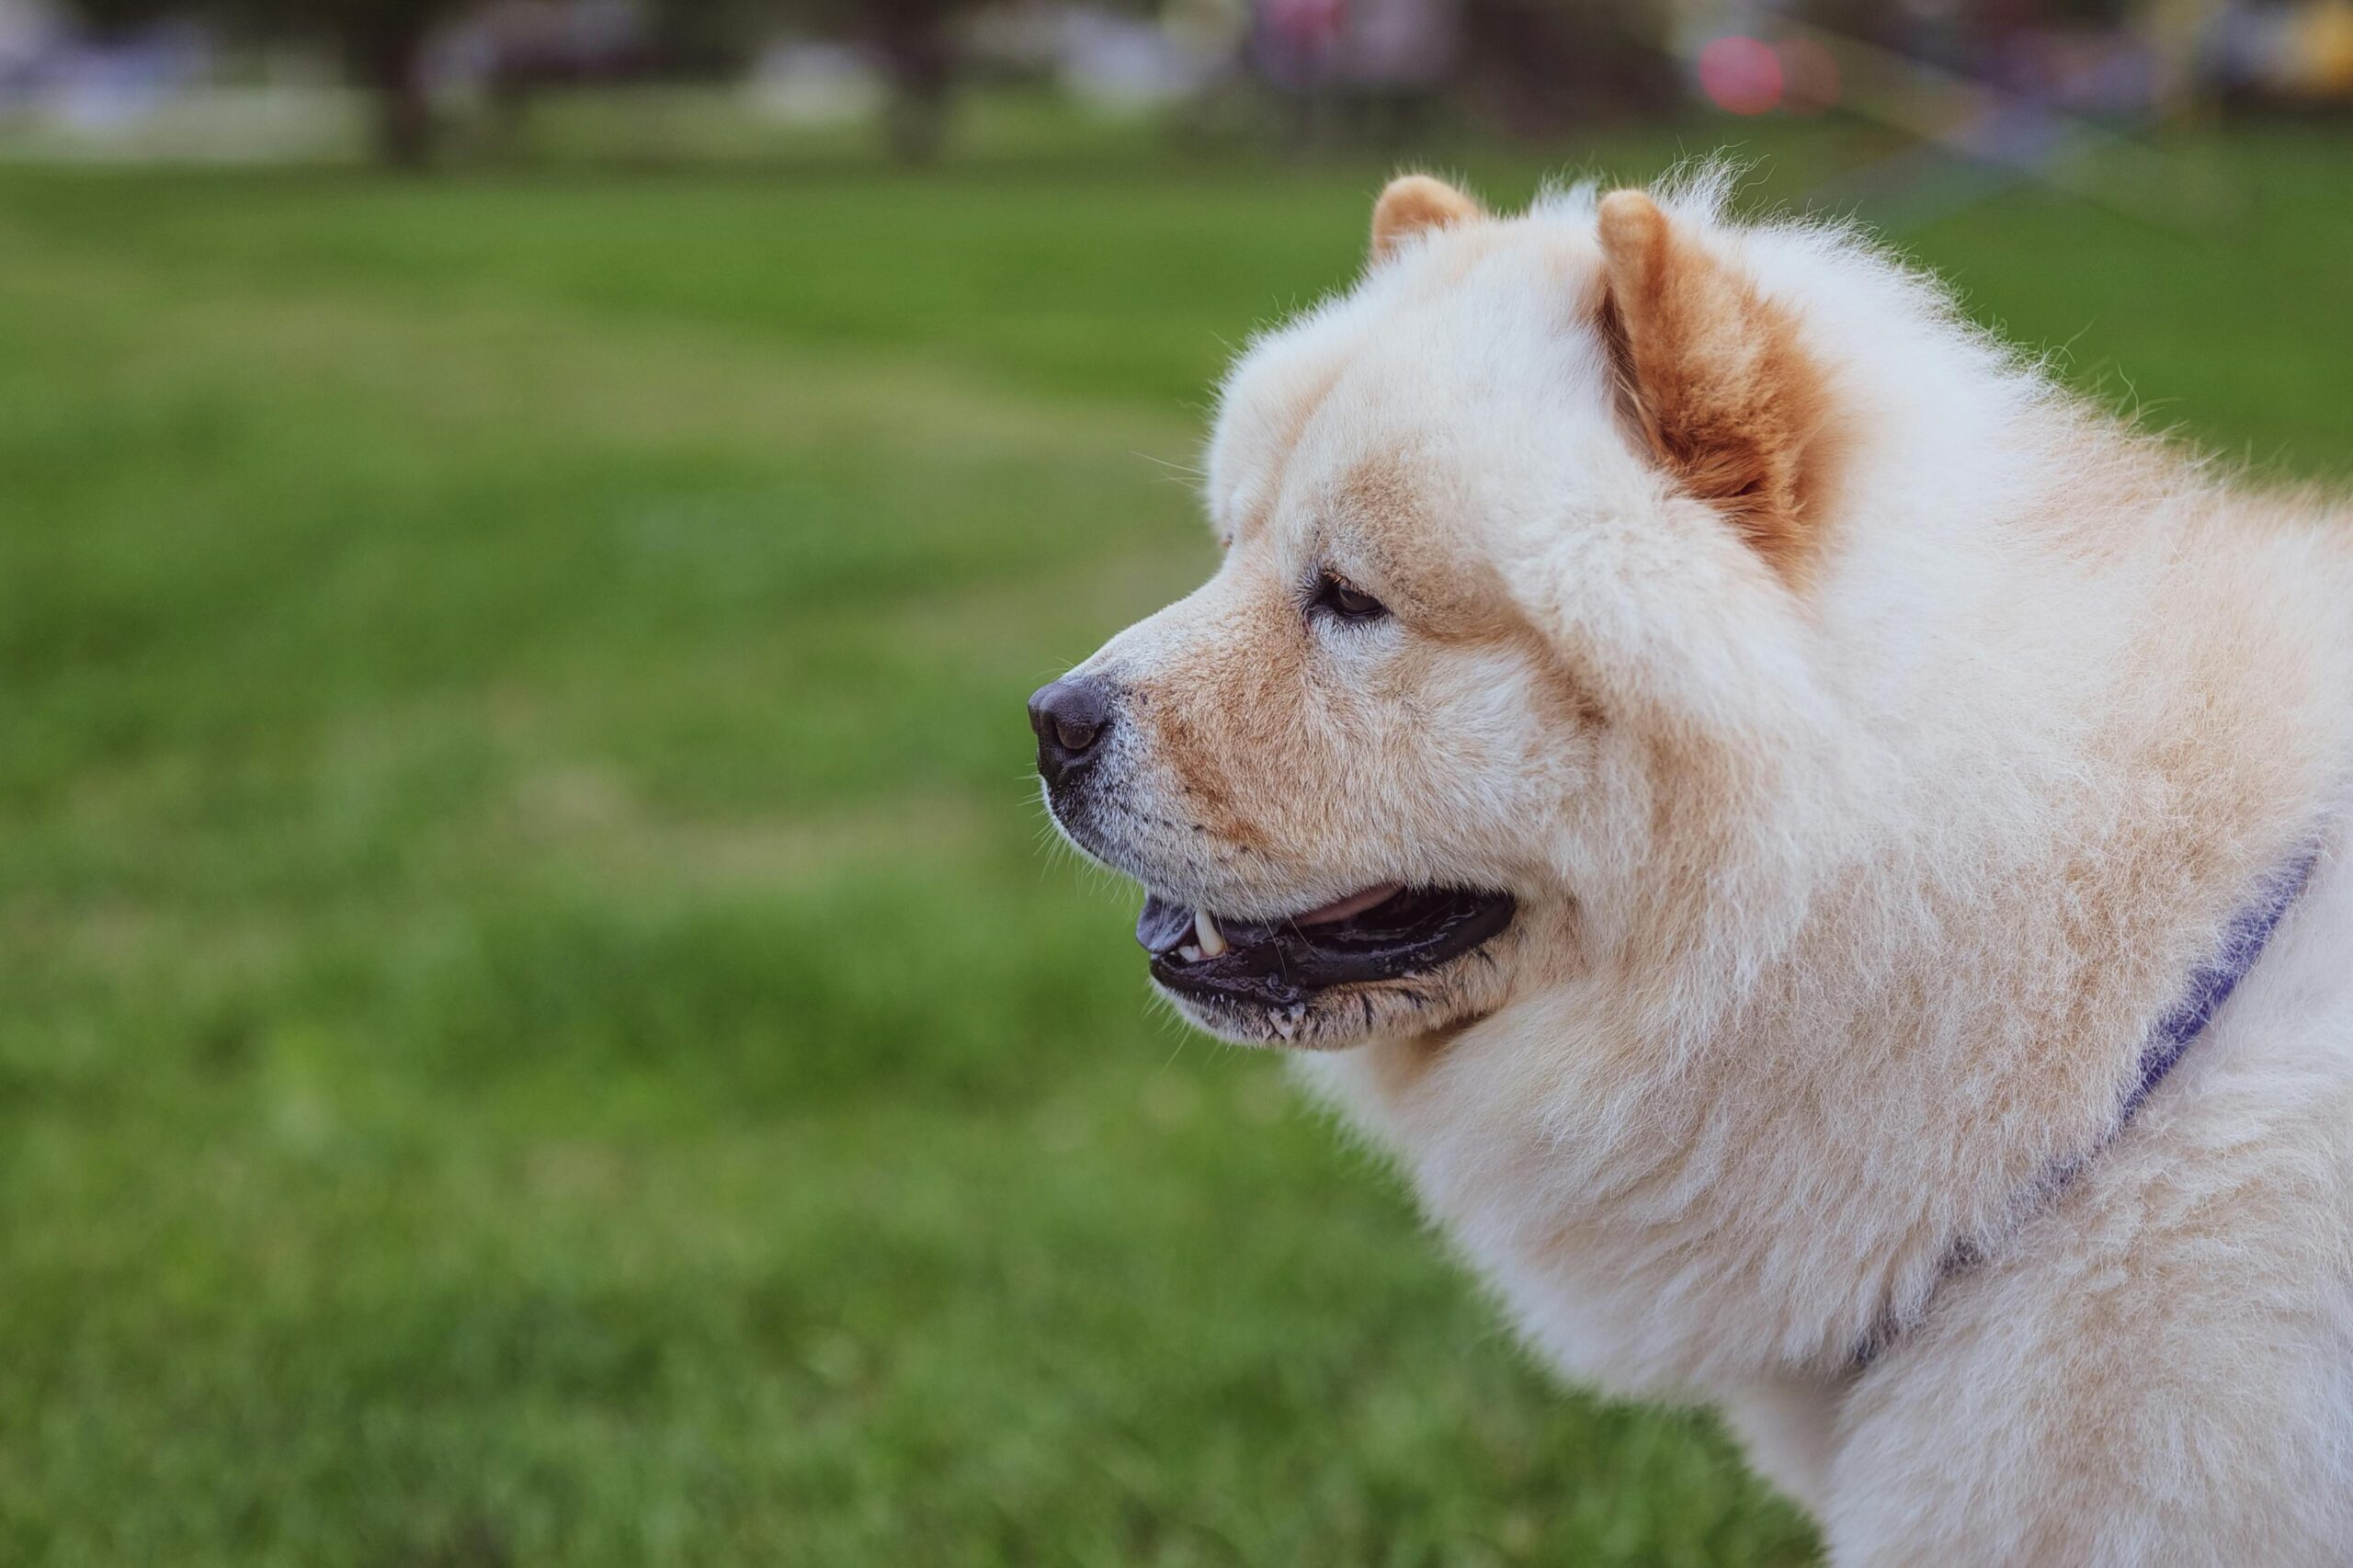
(2243, 942)
(2210, 985)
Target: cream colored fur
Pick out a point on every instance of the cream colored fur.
(1847, 895)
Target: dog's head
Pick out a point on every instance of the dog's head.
(1516, 537)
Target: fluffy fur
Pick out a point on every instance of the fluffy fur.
(1875, 740)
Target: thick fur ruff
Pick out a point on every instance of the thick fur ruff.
(1874, 740)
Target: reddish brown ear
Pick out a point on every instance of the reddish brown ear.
(1411, 203)
(1713, 375)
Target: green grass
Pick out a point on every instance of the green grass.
(540, 1026)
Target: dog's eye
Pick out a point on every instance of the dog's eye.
(1347, 600)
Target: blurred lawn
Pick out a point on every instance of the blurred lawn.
(540, 1028)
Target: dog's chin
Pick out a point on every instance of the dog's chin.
(1389, 960)
(1344, 1016)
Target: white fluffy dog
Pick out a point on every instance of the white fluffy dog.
(1816, 851)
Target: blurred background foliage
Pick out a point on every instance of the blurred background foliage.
(542, 1025)
(455, 76)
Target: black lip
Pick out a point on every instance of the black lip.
(1279, 965)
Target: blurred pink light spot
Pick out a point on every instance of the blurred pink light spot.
(1809, 75)
(1742, 74)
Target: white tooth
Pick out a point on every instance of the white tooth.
(1286, 1023)
(1189, 953)
(1205, 927)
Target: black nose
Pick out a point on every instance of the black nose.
(1071, 717)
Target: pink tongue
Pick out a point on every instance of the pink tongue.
(1355, 903)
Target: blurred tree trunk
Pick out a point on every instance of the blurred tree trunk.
(1541, 65)
(911, 36)
(385, 45)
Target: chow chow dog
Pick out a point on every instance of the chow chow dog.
(1815, 850)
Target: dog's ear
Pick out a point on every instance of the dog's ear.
(1713, 376)
(1411, 203)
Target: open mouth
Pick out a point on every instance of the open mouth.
(1382, 933)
